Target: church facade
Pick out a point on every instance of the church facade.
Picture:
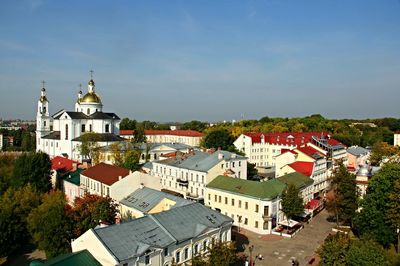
(60, 134)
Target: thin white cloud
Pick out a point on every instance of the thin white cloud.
(35, 4)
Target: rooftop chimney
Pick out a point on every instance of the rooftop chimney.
(220, 156)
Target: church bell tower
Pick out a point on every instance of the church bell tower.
(42, 116)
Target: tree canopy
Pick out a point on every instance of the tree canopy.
(33, 168)
(219, 253)
(292, 202)
(50, 225)
(377, 218)
(219, 139)
(89, 147)
(344, 201)
(16, 204)
(131, 160)
(89, 210)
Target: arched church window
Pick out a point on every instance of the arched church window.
(44, 109)
(88, 111)
(66, 131)
(44, 123)
(107, 128)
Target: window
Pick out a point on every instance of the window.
(177, 257)
(209, 196)
(215, 198)
(226, 200)
(202, 179)
(205, 245)
(88, 111)
(219, 199)
(196, 248)
(186, 253)
(165, 251)
(246, 221)
(82, 128)
(233, 164)
(256, 210)
(233, 202)
(66, 131)
(222, 166)
(240, 204)
(107, 128)
(246, 205)
(44, 123)
(90, 128)
(147, 260)
(256, 224)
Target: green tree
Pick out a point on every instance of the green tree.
(50, 225)
(118, 158)
(6, 170)
(218, 253)
(366, 252)
(139, 136)
(393, 209)
(194, 125)
(334, 250)
(89, 210)
(126, 123)
(89, 147)
(33, 168)
(28, 141)
(131, 160)
(218, 139)
(375, 219)
(15, 208)
(344, 202)
(292, 203)
(381, 150)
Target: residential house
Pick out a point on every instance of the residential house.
(356, 157)
(100, 178)
(188, 174)
(160, 239)
(71, 185)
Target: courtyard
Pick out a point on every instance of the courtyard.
(278, 250)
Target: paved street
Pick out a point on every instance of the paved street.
(278, 250)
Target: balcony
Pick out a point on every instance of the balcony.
(182, 182)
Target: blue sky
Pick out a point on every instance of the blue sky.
(207, 60)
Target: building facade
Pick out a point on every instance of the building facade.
(187, 174)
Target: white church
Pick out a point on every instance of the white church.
(60, 133)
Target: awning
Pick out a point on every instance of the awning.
(313, 204)
(290, 224)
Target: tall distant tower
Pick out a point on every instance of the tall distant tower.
(42, 116)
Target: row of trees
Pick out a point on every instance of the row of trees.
(32, 212)
(375, 219)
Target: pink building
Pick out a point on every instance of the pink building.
(71, 183)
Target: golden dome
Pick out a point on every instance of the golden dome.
(43, 99)
(90, 97)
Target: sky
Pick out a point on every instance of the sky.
(203, 60)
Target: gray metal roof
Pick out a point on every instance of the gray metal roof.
(200, 161)
(190, 221)
(357, 151)
(53, 135)
(133, 238)
(145, 199)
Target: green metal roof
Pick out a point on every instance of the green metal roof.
(298, 179)
(71, 259)
(74, 177)
(269, 189)
(263, 190)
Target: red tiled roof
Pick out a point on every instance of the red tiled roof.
(334, 142)
(309, 150)
(185, 133)
(60, 163)
(106, 173)
(288, 150)
(169, 154)
(294, 139)
(306, 168)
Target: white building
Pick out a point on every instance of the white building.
(99, 179)
(1, 142)
(161, 239)
(188, 137)
(60, 134)
(262, 148)
(396, 140)
(187, 174)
